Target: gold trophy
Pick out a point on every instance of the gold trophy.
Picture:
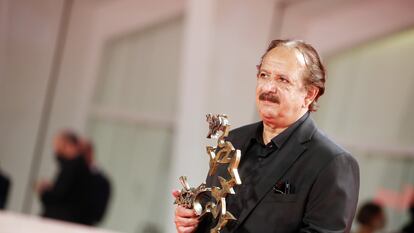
(223, 153)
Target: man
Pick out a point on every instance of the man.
(294, 178)
(68, 198)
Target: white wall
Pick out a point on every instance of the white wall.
(28, 37)
(336, 25)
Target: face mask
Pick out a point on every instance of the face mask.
(60, 158)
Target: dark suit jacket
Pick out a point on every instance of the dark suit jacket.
(325, 180)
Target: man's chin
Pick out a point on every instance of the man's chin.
(268, 115)
(269, 120)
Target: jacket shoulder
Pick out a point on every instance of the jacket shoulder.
(328, 150)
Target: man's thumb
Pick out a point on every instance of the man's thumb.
(176, 193)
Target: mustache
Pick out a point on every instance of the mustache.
(269, 96)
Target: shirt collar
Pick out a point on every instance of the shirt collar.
(281, 138)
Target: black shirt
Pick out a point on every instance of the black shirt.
(257, 155)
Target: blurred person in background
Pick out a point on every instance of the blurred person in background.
(100, 186)
(5, 185)
(371, 218)
(68, 197)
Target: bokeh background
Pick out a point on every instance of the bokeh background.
(138, 77)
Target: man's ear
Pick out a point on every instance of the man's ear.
(311, 93)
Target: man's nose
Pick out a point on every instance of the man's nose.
(270, 86)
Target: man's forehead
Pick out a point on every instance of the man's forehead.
(283, 55)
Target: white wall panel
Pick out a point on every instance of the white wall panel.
(24, 79)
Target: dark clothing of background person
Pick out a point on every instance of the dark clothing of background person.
(409, 228)
(4, 190)
(69, 197)
(323, 180)
(101, 193)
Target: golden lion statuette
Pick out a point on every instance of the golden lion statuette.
(223, 153)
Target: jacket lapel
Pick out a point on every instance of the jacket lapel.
(284, 159)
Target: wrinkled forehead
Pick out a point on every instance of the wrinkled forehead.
(286, 53)
(284, 58)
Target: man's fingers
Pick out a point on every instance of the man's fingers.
(184, 212)
(176, 193)
(186, 229)
(186, 222)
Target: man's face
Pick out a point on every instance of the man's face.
(63, 148)
(280, 93)
(58, 144)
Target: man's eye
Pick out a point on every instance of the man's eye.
(263, 75)
(283, 79)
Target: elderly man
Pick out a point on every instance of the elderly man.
(295, 179)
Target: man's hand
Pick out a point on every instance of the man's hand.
(186, 220)
(42, 186)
